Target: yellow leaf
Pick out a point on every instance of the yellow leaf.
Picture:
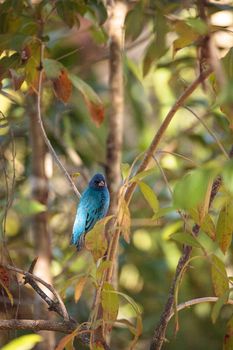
(225, 227)
(219, 276)
(95, 240)
(149, 195)
(110, 302)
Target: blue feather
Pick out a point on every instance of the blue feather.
(92, 207)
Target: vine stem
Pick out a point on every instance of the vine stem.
(39, 117)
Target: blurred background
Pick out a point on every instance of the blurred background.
(161, 58)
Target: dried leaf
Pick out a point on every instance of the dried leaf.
(9, 295)
(92, 100)
(62, 86)
(228, 338)
(5, 276)
(79, 288)
(66, 340)
(96, 111)
(124, 219)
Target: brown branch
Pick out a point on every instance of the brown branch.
(158, 136)
(117, 13)
(115, 125)
(160, 331)
(38, 325)
(58, 306)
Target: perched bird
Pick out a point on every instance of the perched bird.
(92, 207)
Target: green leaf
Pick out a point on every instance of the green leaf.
(191, 190)
(218, 305)
(25, 342)
(142, 175)
(95, 240)
(66, 10)
(110, 302)
(198, 25)
(125, 170)
(134, 21)
(186, 35)
(228, 173)
(157, 47)
(219, 276)
(149, 195)
(29, 206)
(186, 238)
(9, 62)
(224, 228)
(162, 212)
(228, 338)
(99, 10)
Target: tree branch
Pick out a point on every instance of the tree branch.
(157, 138)
(58, 306)
(38, 325)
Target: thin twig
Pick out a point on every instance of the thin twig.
(196, 301)
(50, 147)
(210, 132)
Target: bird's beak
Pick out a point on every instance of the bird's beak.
(101, 183)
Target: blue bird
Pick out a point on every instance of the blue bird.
(92, 207)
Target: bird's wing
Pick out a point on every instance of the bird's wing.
(95, 209)
(92, 207)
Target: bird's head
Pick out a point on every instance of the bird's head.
(98, 182)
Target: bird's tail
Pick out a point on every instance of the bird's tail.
(79, 243)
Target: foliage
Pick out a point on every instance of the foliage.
(66, 42)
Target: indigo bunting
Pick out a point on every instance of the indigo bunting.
(92, 207)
